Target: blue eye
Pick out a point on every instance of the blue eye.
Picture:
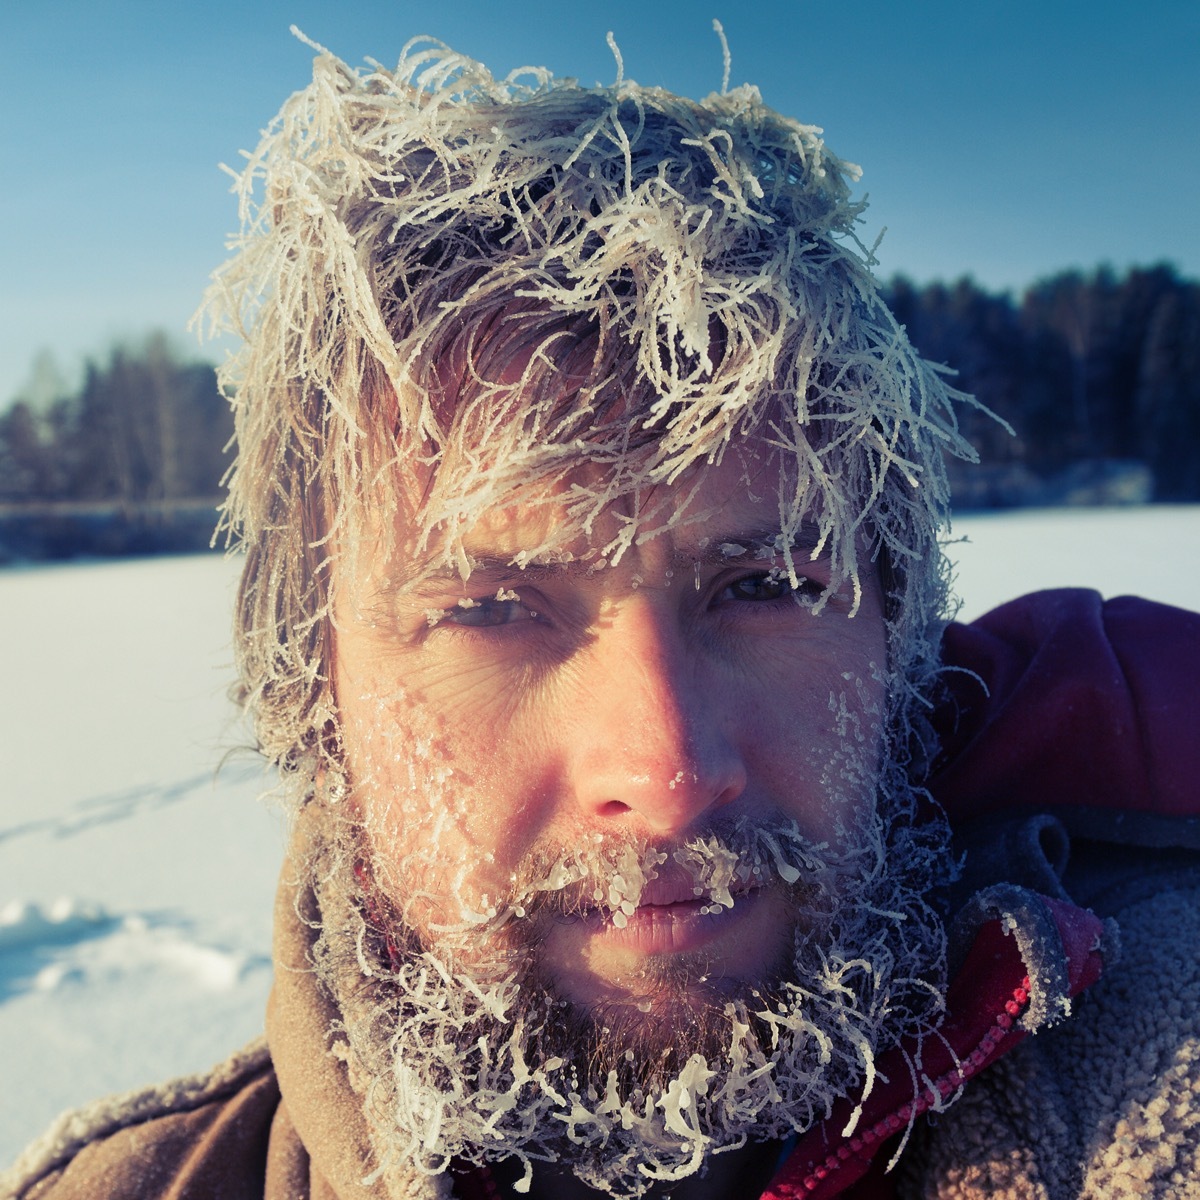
(770, 586)
(489, 613)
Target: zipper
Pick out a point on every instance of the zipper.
(933, 1096)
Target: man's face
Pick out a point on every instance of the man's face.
(522, 722)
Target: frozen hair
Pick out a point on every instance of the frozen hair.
(484, 283)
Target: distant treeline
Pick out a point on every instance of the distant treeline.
(129, 464)
(1098, 373)
(144, 428)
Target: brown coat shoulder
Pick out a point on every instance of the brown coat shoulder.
(201, 1136)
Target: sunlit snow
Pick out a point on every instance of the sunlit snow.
(137, 864)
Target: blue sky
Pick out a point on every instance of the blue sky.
(1003, 140)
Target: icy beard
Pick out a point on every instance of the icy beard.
(491, 1062)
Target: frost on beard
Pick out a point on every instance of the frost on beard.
(489, 1062)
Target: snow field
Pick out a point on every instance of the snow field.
(1151, 551)
(136, 871)
(137, 860)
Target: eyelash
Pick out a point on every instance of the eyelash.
(805, 594)
(466, 616)
(479, 611)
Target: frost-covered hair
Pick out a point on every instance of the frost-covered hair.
(480, 284)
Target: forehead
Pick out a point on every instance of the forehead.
(697, 515)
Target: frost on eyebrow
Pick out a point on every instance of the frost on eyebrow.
(807, 542)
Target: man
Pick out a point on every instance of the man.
(592, 605)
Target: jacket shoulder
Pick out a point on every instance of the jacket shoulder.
(203, 1134)
(1102, 1104)
(1064, 702)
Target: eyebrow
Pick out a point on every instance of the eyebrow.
(487, 567)
(806, 539)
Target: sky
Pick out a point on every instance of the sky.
(1005, 140)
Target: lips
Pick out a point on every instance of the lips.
(669, 888)
(672, 887)
(669, 916)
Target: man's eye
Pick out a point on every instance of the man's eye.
(771, 585)
(488, 614)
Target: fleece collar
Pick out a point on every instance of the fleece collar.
(314, 1079)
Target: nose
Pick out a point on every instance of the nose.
(653, 739)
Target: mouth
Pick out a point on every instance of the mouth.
(671, 916)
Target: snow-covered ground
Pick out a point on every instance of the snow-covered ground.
(136, 862)
(135, 878)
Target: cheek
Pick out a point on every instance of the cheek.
(447, 804)
(815, 742)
